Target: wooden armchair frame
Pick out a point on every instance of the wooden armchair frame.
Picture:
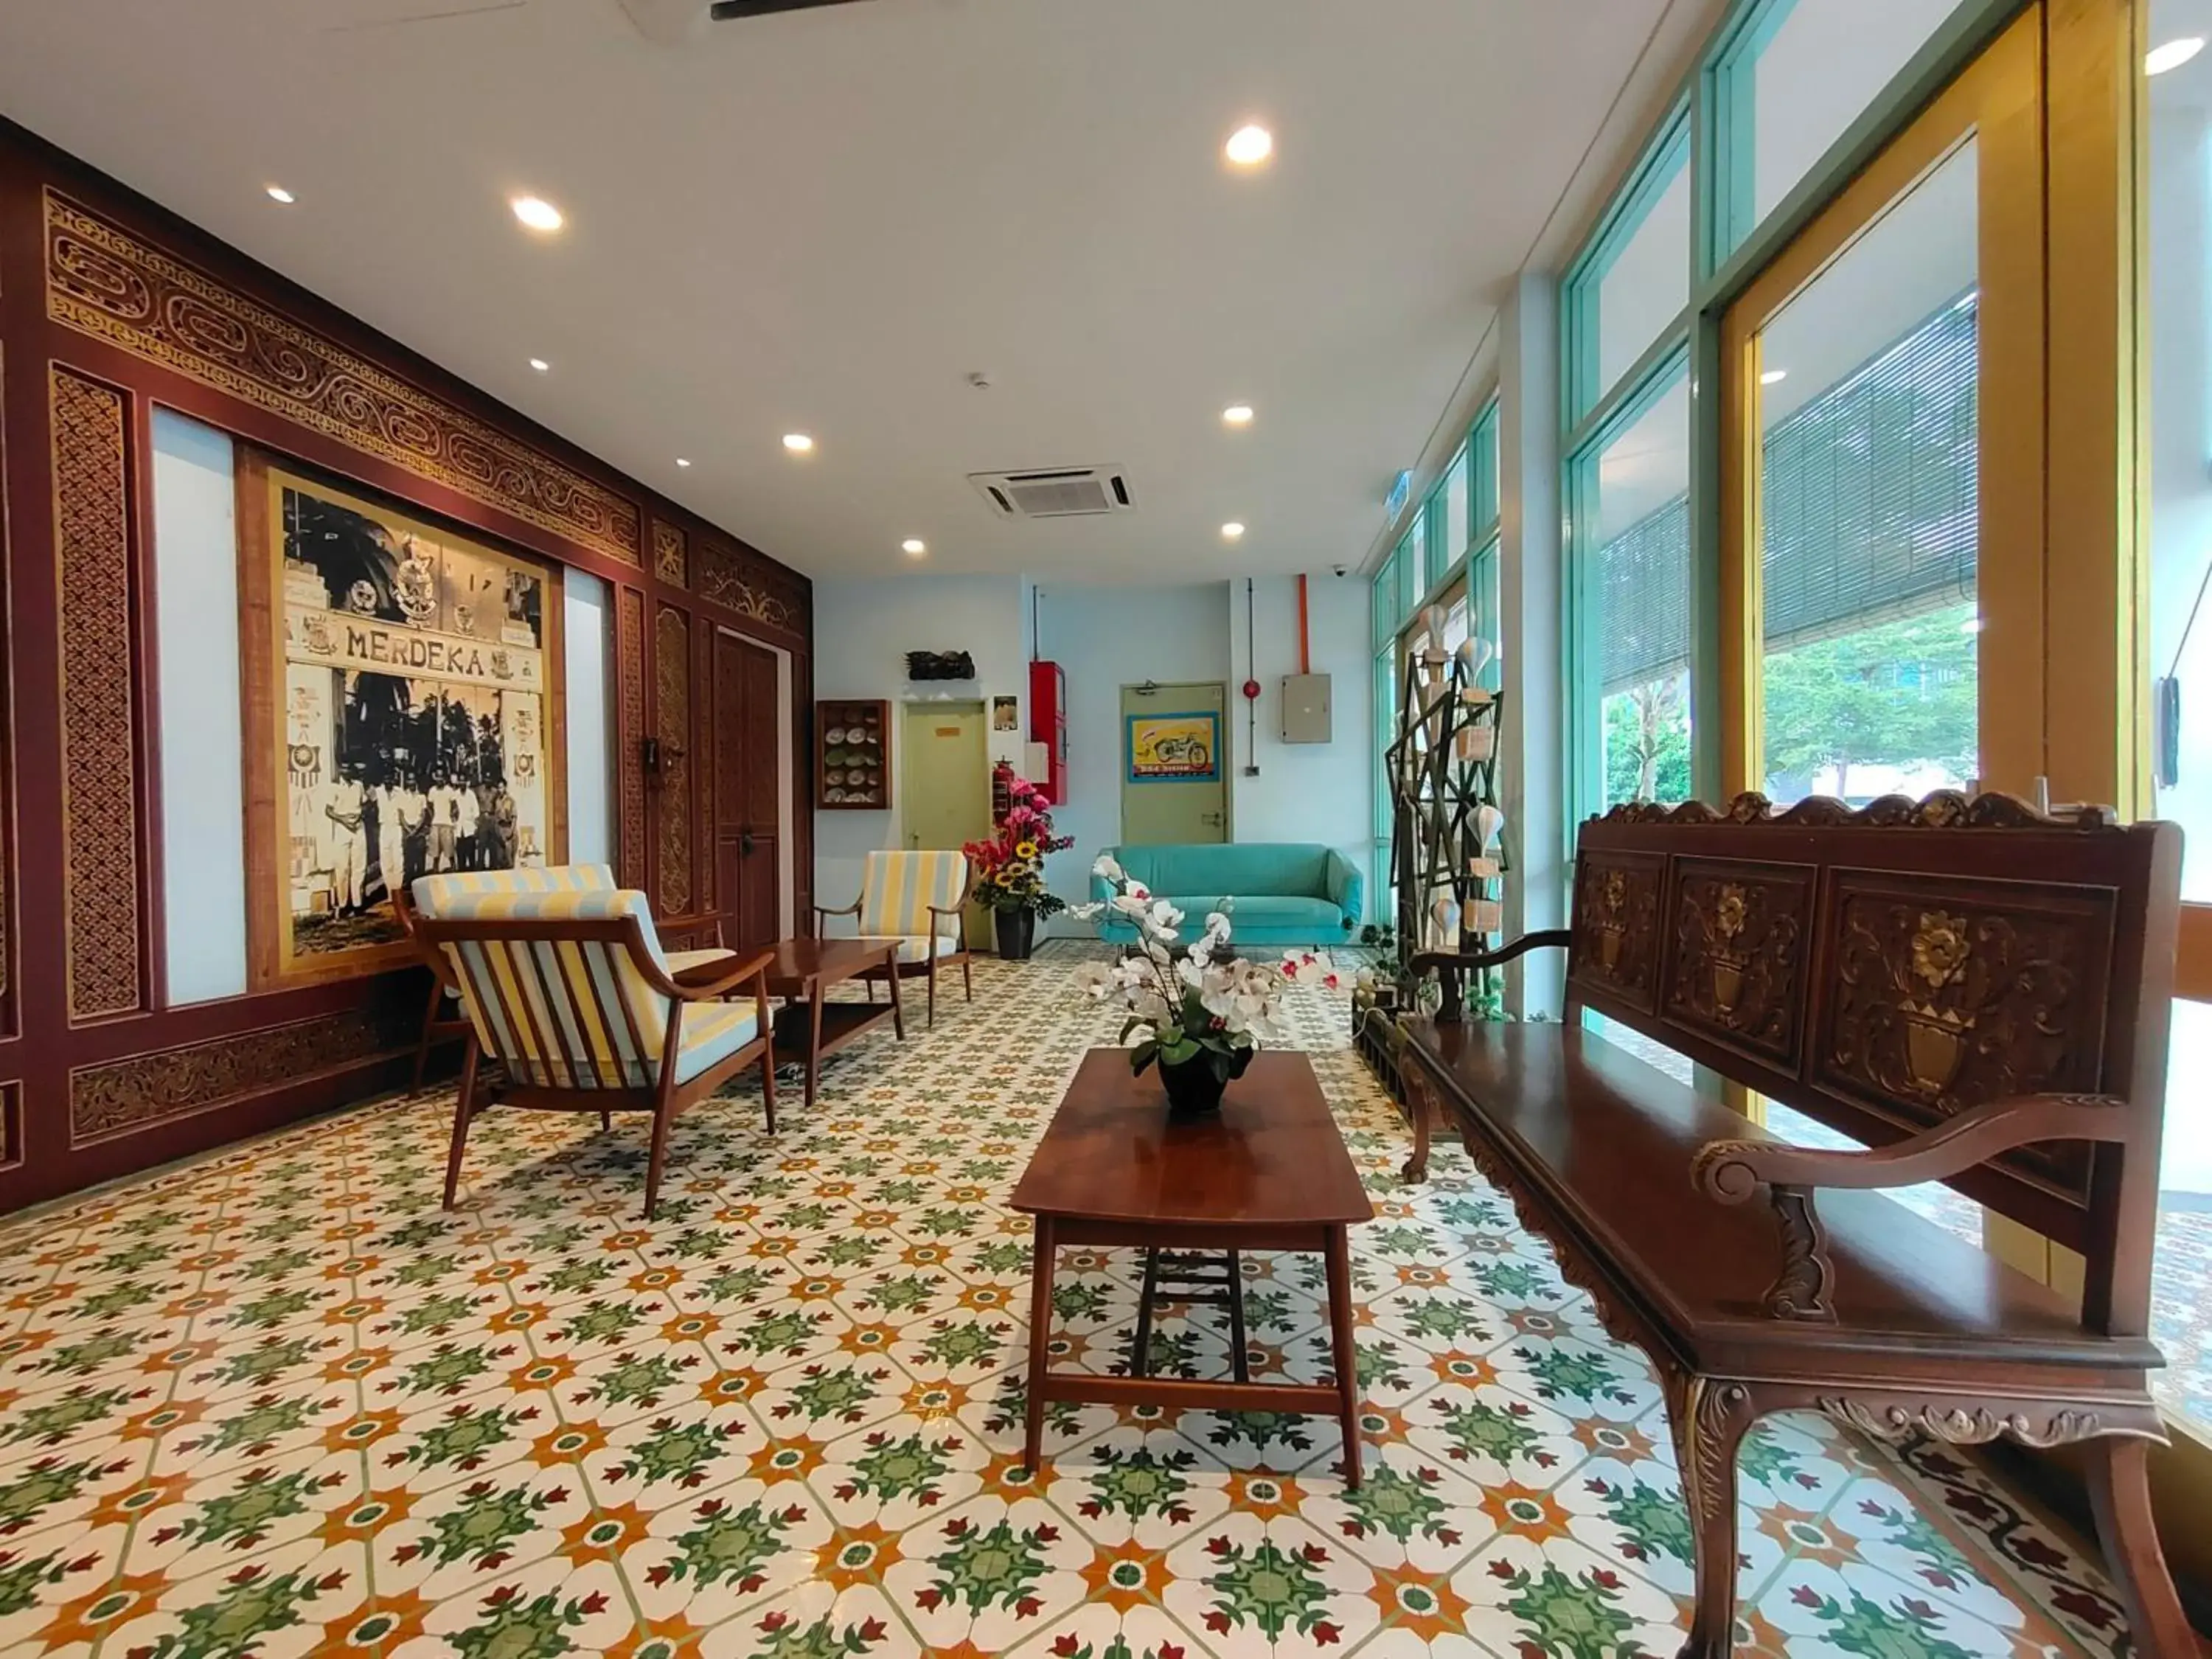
(956, 913)
(665, 1099)
(437, 1026)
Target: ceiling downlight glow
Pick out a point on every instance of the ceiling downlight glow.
(1237, 414)
(1249, 145)
(1232, 530)
(798, 443)
(540, 365)
(914, 548)
(536, 213)
(1774, 377)
(2172, 54)
(681, 461)
(278, 194)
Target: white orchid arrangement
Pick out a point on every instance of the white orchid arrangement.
(1203, 1001)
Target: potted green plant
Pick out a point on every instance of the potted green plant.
(1199, 1010)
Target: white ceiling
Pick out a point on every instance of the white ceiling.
(824, 221)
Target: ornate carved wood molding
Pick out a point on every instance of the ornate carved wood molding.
(1944, 809)
(629, 676)
(124, 1096)
(672, 559)
(672, 679)
(99, 674)
(2045, 1425)
(105, 281)
(754, 588)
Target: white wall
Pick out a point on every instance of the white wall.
(202, 748)
(862, 632)
(1306, 791)
(1107, 638)
(590, 761)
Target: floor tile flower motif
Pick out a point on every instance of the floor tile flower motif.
(280, 1403)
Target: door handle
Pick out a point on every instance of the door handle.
(745, 842)
(1210, 818)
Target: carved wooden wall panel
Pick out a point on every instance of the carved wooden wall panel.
(1935, 1004)
(751, 586)
(629, 675)
(1616, 934)
(126, 1096)
(672, 682)
(11, 1125)
(99, 783)
(670, 558)
(120, 287)
(1737, 952)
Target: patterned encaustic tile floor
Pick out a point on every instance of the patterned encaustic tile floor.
(280, 1403)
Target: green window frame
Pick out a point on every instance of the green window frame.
(1384, 606)
(1412, 566)
(1662, 161)
(1730, 101)
(1482, 476)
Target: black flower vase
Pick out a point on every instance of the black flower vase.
(1196, 1086)
(1016, 931)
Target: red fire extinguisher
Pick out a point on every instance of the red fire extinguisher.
(1002, 791)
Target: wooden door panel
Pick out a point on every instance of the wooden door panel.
(747, 792)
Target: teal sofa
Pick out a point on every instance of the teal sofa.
(1281, 892)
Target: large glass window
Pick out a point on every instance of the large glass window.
(1452, 514)
(1632, 284)
(2179, 199)
(1482, 483)
(1412, 568)
(1383, 606)
(1869, 514)
(1793, 75)
(1633, 597)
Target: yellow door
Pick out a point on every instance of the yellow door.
(946, 764)
(1175, 778)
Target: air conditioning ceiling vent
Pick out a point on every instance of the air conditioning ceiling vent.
(1063, 492)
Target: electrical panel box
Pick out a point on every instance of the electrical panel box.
(1048, 727)
(1305, 708)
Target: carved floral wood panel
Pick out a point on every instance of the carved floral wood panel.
(124, 1096)
(753, 588)
(1943, 997)
(1616, 924)
(671, 561)
(105, 281)
(100, 779)
(671, 672)
(1738, 950)
(630, 677)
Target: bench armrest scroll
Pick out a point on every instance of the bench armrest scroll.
(1734, 1171)
(1459, 961)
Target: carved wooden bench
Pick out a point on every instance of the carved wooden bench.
(1978, 991)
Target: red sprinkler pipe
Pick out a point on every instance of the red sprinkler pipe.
(1305, 659)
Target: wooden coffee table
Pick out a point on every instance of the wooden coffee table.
(804, 970)
(1270, 1173)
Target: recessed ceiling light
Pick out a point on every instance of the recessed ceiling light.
(680, 461)
(798, 442)
(2172, 55)
(1232, 530)
(540, 364)
(1774, 377)
(1237, 414)
(278, 193)
(536, 212)
(914, 548)
(1249, 146)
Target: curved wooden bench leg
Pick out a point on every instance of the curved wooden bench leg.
(2119, 1496)
(1709, 1416)
(1421, 1111)
(464, 1107)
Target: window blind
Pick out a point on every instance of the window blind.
(1870, 511)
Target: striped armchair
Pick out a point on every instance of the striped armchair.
(430, 895)
(916, 898)
(569, 990)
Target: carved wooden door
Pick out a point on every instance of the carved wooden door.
(747, 792)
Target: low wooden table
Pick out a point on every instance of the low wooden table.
(1269, 1173)
(803, 970)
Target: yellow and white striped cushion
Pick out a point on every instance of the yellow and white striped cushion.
(901, 887)
(433, 894)
(570, 1013)
(914, 947)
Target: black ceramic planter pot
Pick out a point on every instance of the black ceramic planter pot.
(1017, 934)
(1195, 1087)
